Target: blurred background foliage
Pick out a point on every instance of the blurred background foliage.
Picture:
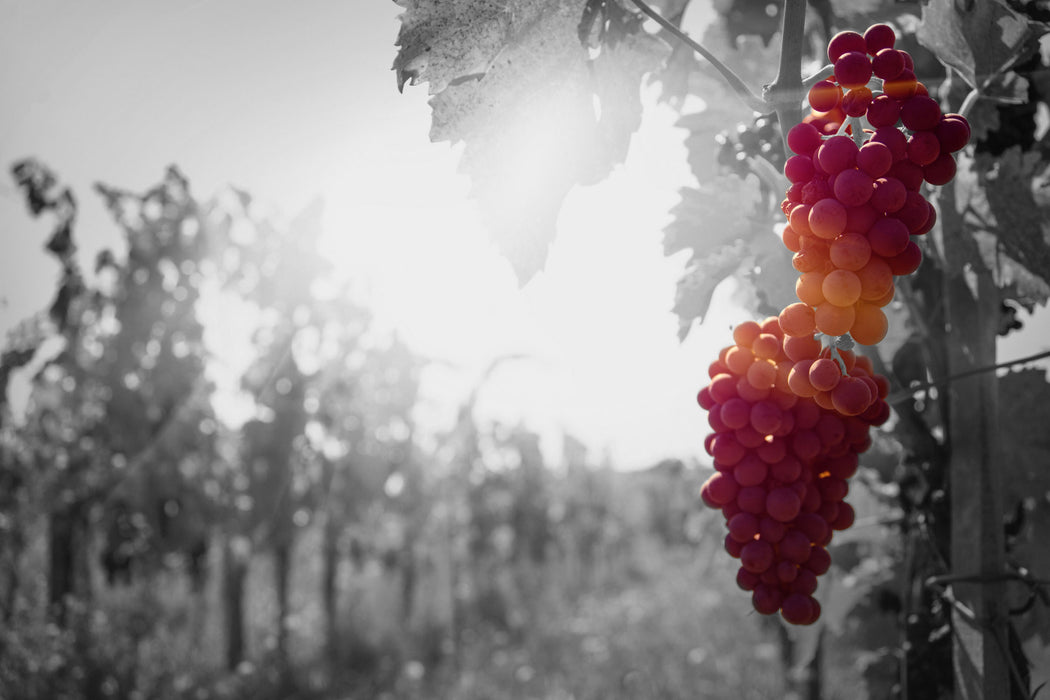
(154, 546)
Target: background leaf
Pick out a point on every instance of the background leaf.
(537, 114)
(977, 39)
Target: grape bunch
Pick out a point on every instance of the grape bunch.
(762, 139)
(790, 417)
(789, 422)
(854, 204)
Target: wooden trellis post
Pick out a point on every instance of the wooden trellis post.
(980, 649)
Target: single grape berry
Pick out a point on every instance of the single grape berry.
(855, 103)
(941, 171)
(953, 132)
(844, 42)
(920, 113)
(902, 86)
(853, 69)
(824, 96)
(887, 64)
(797, 320)
(875, 159)
(879, 37)
(803, 139)
(837, 154)
(853, 187)
(827, 218)
(850, 251)
(883, 111)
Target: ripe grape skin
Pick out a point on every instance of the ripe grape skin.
(920, 113)
(887, 64)
(852, 188)
(798, 320)
(888, 237)
(824, 96)
(889, 195)
(850, 251)
(953, 132)
(879, 37)
(803, 139)
(941, 171)
(844, 42)
(834, 320)
(841, 287)
(923, 147)
(827, 218)
(837, 154)
(875, 158)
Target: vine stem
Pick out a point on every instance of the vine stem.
(785, 92)
(899, 396)
(784, 95)
(741, 89)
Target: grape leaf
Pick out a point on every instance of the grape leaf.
(703, 222)
(984, 117)
(978, 39)
(698, 283)
(443, 42)
(1008, 212)
(536, 113)
(724, 222)
(770, 278)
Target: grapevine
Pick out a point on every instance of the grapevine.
(790, 404)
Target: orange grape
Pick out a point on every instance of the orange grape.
(876, 279)
(834, 320)
(841, 287)
(851, 397)
(827, 218)
(762, 374)
(746, 332)
(798, 379)
(797, 320)
(802, 348)
(870, 325)
(823, 399)
(808, 288)
(850, 251)
(739, 359)
(824, 374)
(771, 325)
(885, 298)
(766, 346)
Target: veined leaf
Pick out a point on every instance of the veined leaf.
(978, 39)
(537, 114)
(1007, 214)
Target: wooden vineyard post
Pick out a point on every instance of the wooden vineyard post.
(980, 650)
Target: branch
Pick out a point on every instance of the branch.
(899, 396)
(741, 89)
(785, 92)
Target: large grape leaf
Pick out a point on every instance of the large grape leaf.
(978, 39)
(537, 111)
(1008, 216)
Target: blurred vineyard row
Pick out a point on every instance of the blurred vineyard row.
(322, 547)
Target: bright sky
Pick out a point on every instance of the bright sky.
(291, 101)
